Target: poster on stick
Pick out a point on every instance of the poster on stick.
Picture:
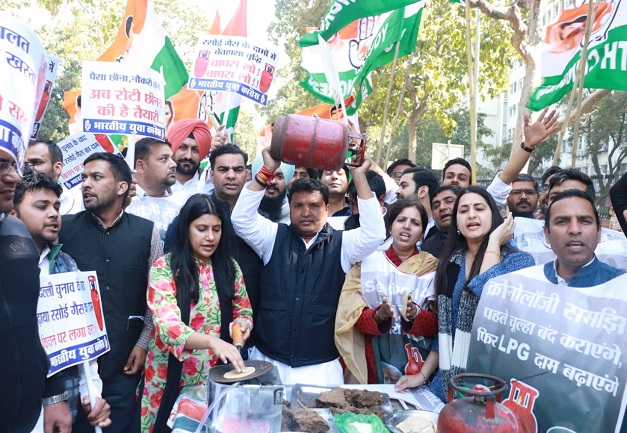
(71, 323)
(51, 76)
(76, 148)
(560, 348)
(234, 64)
(120, 98)
(23, 66)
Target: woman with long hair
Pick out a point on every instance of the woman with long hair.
(477, 249)
(196, 293)
(378, 338)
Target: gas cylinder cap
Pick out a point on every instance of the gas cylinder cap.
(480, 399)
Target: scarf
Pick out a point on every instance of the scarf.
(349, 341)
(454, 353)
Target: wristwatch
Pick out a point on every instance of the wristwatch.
(525, 148)
(55, 399)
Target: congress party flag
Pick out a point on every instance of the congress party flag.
(605, 65)
(343, 12)
(358, 49)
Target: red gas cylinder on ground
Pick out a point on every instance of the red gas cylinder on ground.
(481, 411)
(309, 141)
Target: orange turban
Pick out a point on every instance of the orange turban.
(180, 131)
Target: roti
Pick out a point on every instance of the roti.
(404, 306)
(234, 374)
(416, 424)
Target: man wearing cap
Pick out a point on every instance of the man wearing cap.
(191, 142)
(274, 204)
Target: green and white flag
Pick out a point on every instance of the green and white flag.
(606, 59)
(358, 49)
(343, 12)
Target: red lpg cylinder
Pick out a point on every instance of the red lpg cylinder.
(481, 411)
(310, 141)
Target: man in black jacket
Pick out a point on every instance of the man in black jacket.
(121, 248)
(23, 361)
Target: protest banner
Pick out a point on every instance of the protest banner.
(559, 347)
(51, 76)
(23, 71)
(76, 148)
(119, 98)
(70, 318)
(605, 66)
(529, 237)
(358, 49)
(234, 64)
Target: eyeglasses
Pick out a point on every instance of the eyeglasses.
(543, 188)
(527, 192)
(398, 174)
(6, 166)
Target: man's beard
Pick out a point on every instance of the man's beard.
(271, 207)
(184, 171)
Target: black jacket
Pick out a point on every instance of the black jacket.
(120, 256)
(23, 361)
(300, 290)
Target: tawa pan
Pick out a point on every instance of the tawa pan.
(216, 374)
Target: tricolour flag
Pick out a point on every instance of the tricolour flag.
(605, 67)
(358, 49)
(342, 12)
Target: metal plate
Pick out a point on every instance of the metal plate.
(393, 419)
(306, 394)
(216, 374)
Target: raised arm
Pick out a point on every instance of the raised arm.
(257, 231)
(359, 243)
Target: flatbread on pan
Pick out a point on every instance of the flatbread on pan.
(234, 374)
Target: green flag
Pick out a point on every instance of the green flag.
(358, 49)
(606, 58)
(343, 12)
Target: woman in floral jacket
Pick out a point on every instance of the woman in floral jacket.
(192, 331)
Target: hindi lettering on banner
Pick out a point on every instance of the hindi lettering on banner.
(76, 148)
(71, 323)
(23, 65)
(122, 98)
(566, 342)
(51, 76)
(234, 64)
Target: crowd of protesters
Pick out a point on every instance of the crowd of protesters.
(306, 264)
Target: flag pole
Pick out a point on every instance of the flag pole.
(387, 102)
(399, 108)
(210, 114)
(471, 94)
(582, 70)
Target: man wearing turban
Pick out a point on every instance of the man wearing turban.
(274, 205)
(191, 142)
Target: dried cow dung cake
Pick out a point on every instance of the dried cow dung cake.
(304, 420)
(351, 400)
(333, 398)
(363, 399)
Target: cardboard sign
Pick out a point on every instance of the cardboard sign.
(23, 67)
(561, 348)
(122, 98)
(76, 148)
(234, 64)
(51, 76)
(71, 323)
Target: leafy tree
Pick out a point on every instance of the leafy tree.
(605, 133)
(435, 80)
